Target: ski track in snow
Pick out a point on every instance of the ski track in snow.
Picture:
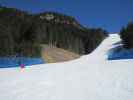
(90, 77)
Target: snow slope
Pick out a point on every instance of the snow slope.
(90, 77)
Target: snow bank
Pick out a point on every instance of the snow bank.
(92, 77)
(119, 52)
(8, 62)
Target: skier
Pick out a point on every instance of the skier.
(22, 66)
(19, 57)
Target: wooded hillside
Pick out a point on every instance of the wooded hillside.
(22, 33)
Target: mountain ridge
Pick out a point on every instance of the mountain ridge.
(23, 32)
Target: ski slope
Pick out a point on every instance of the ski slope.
(91, 77)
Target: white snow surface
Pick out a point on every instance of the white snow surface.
(91, 77)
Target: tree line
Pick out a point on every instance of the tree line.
(126, 35)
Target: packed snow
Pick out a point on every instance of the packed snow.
(91, 77)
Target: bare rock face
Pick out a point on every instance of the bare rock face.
(47, 17)
(60, 18)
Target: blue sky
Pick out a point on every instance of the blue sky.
(108, 14)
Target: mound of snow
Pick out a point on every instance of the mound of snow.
(119, 52)
(6, 62)
(91, 77)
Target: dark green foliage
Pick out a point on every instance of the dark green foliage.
(15, 32)
(22, 33)
(126, 35)
(93, 39)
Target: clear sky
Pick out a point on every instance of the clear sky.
(108, 14)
